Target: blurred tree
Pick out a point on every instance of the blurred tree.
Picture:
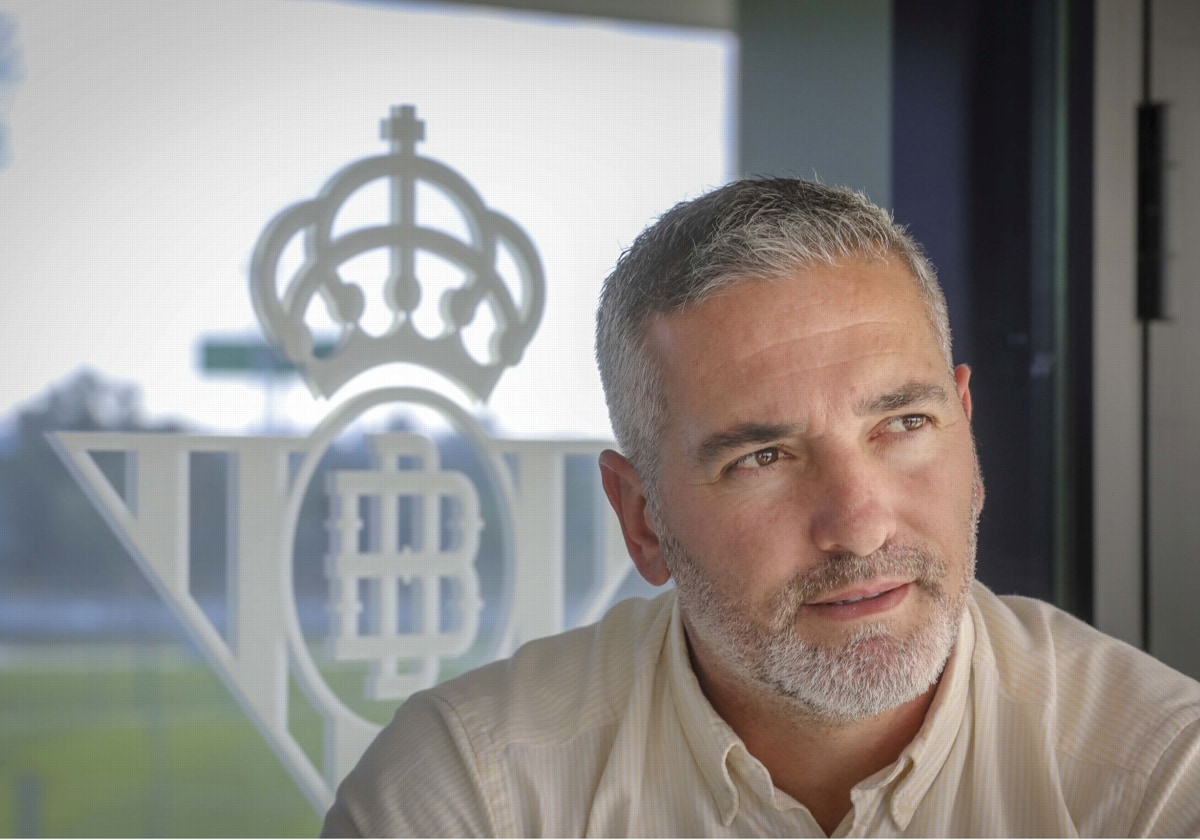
(54, 539)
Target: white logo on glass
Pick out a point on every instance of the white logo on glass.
(405, 591)
(430, 561)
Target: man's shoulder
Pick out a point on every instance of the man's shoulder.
(469, 756)
(562, 683)
(1107, 701)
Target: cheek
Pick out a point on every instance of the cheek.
(715, 535)
(937, 500)
(749, 542)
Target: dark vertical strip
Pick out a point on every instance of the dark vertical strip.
(1150, 211)
(1046, 281)
(1080, 142)
(1060, 296)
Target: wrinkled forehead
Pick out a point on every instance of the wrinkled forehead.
(824, 284)
(808, 283)
(851, 316)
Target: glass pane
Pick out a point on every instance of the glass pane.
(146, 147)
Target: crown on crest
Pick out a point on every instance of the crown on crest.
(283, 306)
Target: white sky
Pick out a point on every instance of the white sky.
(151, 142)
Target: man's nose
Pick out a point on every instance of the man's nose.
(851, 512)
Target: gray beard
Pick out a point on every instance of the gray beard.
(872, 671)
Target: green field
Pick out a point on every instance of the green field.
(135, 740)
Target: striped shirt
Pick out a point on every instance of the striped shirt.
(1040, 726)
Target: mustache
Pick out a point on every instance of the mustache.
(837, 571)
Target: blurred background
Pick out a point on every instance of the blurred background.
(146, 144)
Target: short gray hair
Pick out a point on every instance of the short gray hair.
(754, 229)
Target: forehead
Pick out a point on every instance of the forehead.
(822, 333)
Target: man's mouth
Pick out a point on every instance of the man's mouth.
(856, 600)
(861, 601)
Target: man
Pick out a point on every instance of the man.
(798, 459)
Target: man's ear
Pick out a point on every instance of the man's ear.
(962, 380)
(625, 493)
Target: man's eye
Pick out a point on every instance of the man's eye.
(755, 460)
(907, 423)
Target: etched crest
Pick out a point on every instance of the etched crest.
(403, 564)
(404, 534)
(285, 317)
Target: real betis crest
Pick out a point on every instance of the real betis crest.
(408, 588)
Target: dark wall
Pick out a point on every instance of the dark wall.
(979, 177)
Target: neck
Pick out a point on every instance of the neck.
(814, 760)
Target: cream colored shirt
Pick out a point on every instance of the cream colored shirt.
(1040, 726)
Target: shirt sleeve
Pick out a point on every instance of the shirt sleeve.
(1171, 806)
(419, 778)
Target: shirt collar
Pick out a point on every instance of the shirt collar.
(711, 739)
(929, 749)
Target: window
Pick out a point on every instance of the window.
(148, 146)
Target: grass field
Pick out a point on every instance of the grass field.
(135, 740)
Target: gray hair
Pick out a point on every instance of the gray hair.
(754, 229)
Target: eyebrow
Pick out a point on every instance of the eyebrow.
(906, 396)
(740, 436)
(745, 435)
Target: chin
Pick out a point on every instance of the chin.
(872, 672)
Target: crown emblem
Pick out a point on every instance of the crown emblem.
(283, 304)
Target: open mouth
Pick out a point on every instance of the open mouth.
(868, 603)
(859, 598)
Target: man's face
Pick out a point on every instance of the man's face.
(818, 489)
